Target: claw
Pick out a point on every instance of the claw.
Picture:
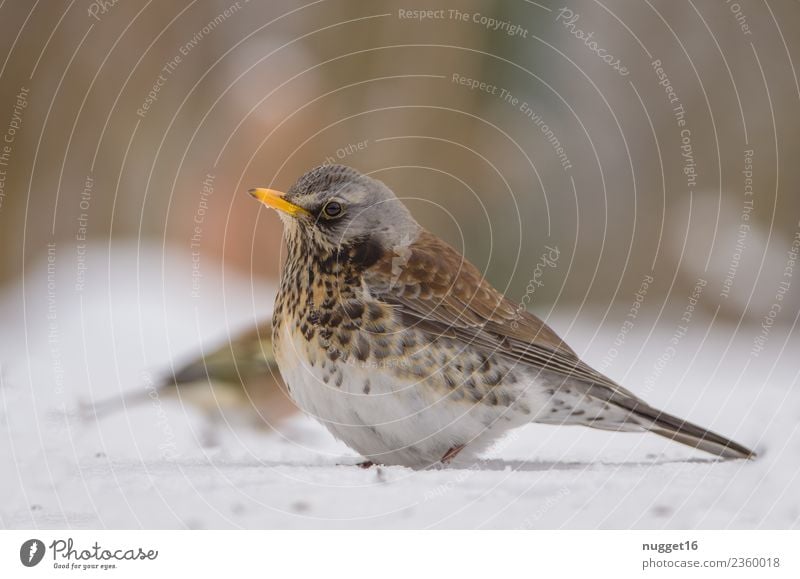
(451, 454)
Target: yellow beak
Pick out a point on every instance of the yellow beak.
(275, 200)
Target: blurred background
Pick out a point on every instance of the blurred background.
(571, 142)
(626, 170)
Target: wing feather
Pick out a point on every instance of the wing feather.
(431, 283)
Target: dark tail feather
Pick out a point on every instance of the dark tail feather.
(687, 433)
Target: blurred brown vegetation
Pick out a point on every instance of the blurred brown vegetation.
(270, 90)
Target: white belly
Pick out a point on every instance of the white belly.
(386, 420)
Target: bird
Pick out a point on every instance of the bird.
(398, 345)
(237, 382)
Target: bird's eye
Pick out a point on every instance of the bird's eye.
(332, 209)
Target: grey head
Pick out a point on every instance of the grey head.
(341, 207)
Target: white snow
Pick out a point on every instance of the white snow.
(149, 466)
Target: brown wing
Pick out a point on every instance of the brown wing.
(433, 284)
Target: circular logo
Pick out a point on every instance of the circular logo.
(31, 552)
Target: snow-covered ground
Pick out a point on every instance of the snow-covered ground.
(152, 466)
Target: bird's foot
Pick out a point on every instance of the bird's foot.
(365, 464)
(451, 454)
